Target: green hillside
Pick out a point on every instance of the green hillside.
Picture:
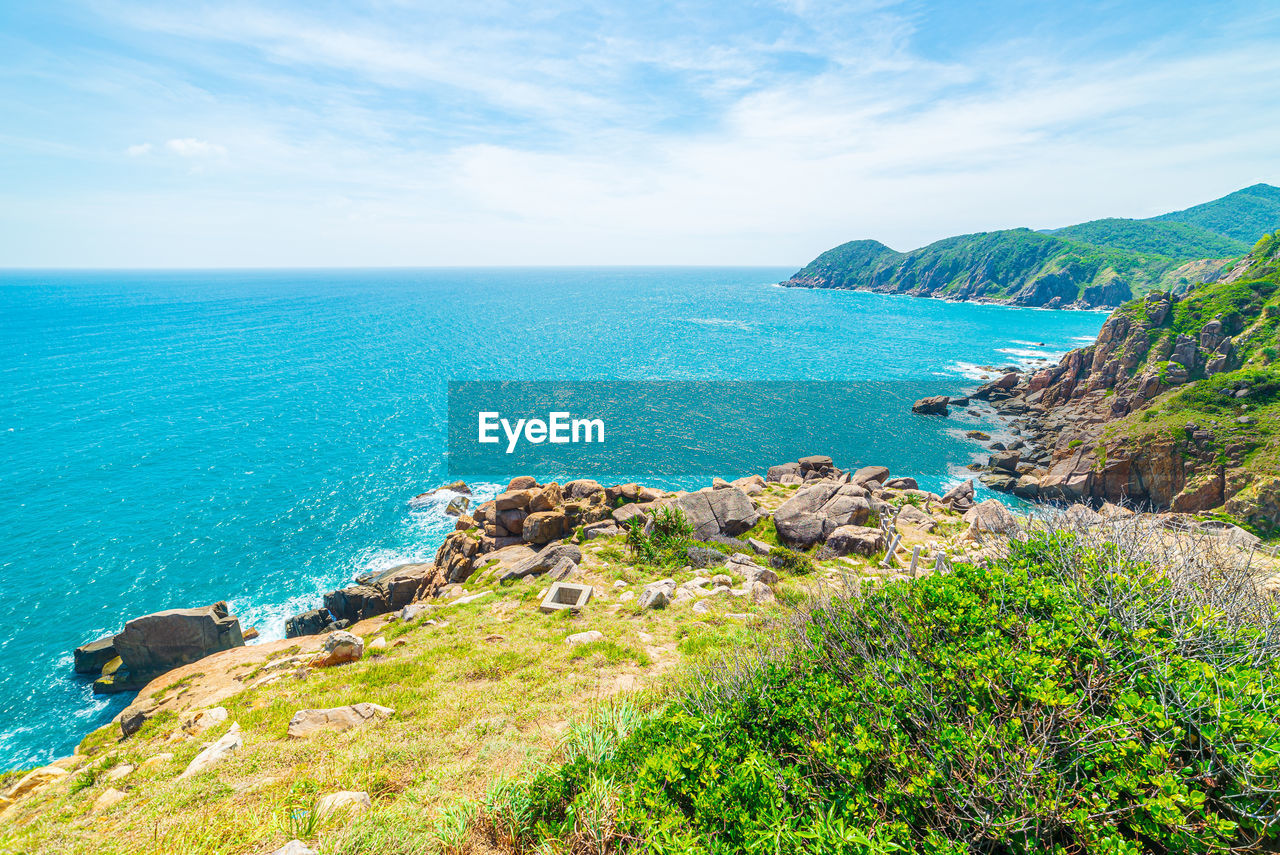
(1095, 264)
(1173, 239)
(1244, 215)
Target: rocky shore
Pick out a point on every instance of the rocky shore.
(1071, 422)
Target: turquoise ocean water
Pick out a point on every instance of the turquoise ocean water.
(169, 439)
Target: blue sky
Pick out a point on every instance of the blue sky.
(401, 133)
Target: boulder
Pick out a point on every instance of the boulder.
(815, 511)
(856, 540)
(347, 802)
(604, 528)
(913, 516)
(582, 488)
(155, 643)
(339, 648)
(626, 513)
(870, 474)
(701, 556)
(522, 482)
(776, 473)
(512, 520)
(307, 722)
(311, 622)
(545, 526)
(295, 847)
(960, 495)
(89, 658)
(543, 560)
(991, 515)
(1001, 482)
(902, 484)
(816, 462)
(109, 798)
(546, 499)
(1006, 460)
(218, 752)
(726, 512)
(513, 500)
(932, 406)
(585, 637)
(565, 569)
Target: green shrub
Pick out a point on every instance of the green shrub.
(1067, 698)
(790, 561)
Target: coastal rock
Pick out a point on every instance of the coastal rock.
(345, 803)
(626, 513)
(913, 516)
(545, 526)
(815, 511)
(159, 642)
(109, 798)
(543, 560)
(295, 847)
(312, 622)
(89, 658)
(604, 528)
(36, 779)
(700, 557)
(870, 475)
(991, 516)
(856, 540)
(307, 722)
(777, 473)
(338, 649)
(727, 512)
(217, 753)
(582, 488)
(932, 406)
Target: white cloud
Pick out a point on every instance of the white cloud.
(138, 150)
(192, 147)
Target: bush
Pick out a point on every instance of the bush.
(669, 534)
(1081, 694)
(790, 561)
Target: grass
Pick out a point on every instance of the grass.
(480, 692)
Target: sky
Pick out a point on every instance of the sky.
(397, 133)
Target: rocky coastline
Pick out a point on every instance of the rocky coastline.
(1062, 418)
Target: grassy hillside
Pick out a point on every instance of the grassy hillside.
(1172, 239)
(1099, 263)
(1244, 215)
(1081, 694)
(1016, 265)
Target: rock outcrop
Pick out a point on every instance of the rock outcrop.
(153, 644)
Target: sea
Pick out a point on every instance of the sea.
(170, 439)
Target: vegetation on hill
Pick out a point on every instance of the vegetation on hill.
(1240, 407)
(1172, 239)
(1082, 694)
(1099, 263)
(1242, 215)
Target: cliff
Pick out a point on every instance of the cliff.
(1176, 405)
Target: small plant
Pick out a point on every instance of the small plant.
(84, 780)
(453, 826)
(790, 561)
(639, 544)
(298, 820)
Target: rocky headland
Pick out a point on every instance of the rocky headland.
(1174, 407)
